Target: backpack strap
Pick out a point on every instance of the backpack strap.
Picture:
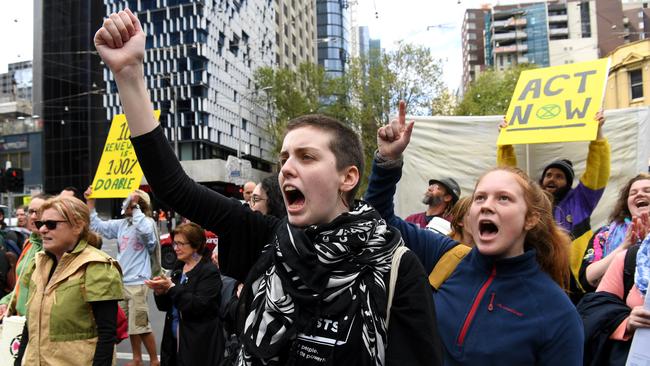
(447, 264)
(394, 270)
(629, 268)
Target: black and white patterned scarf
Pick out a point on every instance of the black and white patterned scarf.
(318, 271)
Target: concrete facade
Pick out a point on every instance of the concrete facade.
(473, 44)
(199, 68)
(295, 35)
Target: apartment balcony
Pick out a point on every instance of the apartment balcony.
(510, 49)
(511, 22)
(504, 14)
(558, 18)
(555, 32)
(510, 36)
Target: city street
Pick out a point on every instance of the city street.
(157, 318)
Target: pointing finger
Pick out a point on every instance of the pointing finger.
(402, 113)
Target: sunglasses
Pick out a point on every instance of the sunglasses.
(49, 224)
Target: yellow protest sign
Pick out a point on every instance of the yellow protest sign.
(556, 104)
(119, 172)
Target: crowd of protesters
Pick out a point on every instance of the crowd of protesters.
(305, 274)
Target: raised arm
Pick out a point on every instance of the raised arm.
(598, 164)
(121, 43)
(506, 153)
(392, 140)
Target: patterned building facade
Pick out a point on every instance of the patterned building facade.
(199, 65)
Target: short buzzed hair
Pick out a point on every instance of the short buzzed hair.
(345, 144)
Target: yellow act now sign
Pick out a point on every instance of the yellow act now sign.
(119, 172)
(556, 104)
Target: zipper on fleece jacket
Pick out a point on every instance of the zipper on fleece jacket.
(491, 304)
(472, 310)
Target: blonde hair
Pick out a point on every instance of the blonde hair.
(458, 213)
(145, 202)
(549, 239)
(76, 213)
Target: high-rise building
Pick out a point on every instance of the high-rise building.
(199, 67)
(636, 20)
(67, 91)
(17, 81)
(544, 33)
(20, 130)
(517, 34)
(363, 42)
(473, 44)
(333, 35)
(295, 36)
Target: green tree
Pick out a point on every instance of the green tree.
(370, 82)
(490, 93)
(295, 93)
(417, 78)
(444, 104)
(364, 98)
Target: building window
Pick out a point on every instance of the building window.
(585, 19)
(636, 84)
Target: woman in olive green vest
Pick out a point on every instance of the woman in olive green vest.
(70, 274)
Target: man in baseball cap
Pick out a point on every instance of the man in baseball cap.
(440, 197)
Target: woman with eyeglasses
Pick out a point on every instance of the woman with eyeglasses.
(267, 198)
(191, 298)
(74, 290)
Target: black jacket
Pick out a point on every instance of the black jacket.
(412, 335)
(201, 335)
(601, 313)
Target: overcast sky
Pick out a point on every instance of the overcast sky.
(16, 32)
(407, 20)
(388, 20)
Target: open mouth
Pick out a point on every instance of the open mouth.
(487, 228)
(643, 203)
(550, 186)
(295, 198)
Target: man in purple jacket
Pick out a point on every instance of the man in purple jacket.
(572, 207)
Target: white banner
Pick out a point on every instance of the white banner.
(465, 147)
